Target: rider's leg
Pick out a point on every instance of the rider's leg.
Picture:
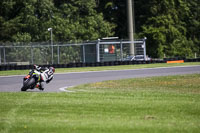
(40, 86)
(42, 79)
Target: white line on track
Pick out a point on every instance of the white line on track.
(65, 89)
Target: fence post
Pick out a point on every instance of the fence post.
(144, 47)
(97, 49)
(83, 53)
(58, 52)
(0, 55)
(121, 50)
(32, 54)
(4, 53)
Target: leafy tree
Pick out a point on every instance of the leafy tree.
(193, 24)
(81, 20)
(172, 27)
(70, 20)
(166, 29)
(114, 11)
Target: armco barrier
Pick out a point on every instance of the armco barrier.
(111, 63)
(192, 60)
(175, 58)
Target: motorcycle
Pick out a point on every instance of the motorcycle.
(30, 81)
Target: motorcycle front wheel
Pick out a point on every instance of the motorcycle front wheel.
(27, 84)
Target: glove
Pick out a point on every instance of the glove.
(47, 81)
(37, 67)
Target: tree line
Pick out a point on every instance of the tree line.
(172, 27)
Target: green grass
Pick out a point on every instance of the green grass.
(83, 69)
(159, 104)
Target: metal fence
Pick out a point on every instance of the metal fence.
(61, 53)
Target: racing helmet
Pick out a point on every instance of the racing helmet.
(52, 69)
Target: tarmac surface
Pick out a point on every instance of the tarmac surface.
(64, 80)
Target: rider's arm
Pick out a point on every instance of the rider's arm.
(50, 78)
(38, 68)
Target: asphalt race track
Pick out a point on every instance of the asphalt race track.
(14, 83)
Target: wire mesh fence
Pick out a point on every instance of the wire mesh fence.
(64, 53)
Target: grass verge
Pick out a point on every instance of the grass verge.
(158, 104)
(83, 69)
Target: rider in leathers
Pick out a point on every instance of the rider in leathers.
(45, 76)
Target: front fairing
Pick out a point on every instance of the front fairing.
(32, 74)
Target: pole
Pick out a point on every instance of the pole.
(58, 50)
(51, 32)
(32, 54)
(97, 49)
(83, 53)
(0, 55)
(4, 54)
(52, 46)
(121, 50)
(144, 47)
(130, 25)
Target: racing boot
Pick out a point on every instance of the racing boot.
(39, 86)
